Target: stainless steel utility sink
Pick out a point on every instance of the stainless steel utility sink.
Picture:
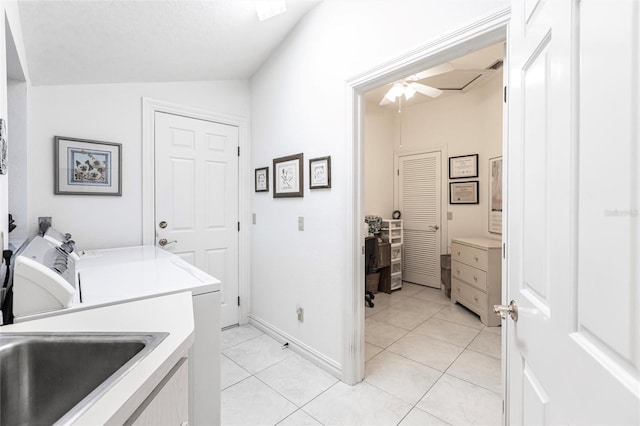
(48, 378)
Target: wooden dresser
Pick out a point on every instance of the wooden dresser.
(476, 276)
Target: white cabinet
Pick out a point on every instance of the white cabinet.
(476, 276)
(391, 231)
(168, 404)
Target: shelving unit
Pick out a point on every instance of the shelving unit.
(391, 231)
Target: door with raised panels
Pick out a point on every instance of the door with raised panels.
(419, 200)
(196, 199)
(573, 232)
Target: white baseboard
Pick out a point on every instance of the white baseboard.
(327, 364)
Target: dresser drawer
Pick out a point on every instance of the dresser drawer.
(474, 276)
(469, 255)
(471, 297)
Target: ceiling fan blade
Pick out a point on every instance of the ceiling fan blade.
(440, 69)
(426, 90)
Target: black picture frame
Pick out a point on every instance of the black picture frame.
(261, 182)
(463, 166)
(320, 172)
(467, 192)
(288, 176)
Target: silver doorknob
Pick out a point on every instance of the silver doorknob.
(503, 310)
(163, 242)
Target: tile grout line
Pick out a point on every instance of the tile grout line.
(464, 348)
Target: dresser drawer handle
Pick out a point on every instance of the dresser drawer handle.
(476, 258)
(458, 289)
(458, 252)
(475, 298)
(458, 271)
(475, 278)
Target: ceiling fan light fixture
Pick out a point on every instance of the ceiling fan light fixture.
(409, 92)
(268, 9)
(396, 91)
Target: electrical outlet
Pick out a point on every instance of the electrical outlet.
(300, 223)
(44, 222)
(300, 313)
(46, 219)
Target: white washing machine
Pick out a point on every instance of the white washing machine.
(48, 280)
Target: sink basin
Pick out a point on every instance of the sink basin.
(48, 378)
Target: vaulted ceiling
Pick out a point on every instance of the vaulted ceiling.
(116, 41)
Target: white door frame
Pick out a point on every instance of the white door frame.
(149, 108)
(444, 191)
(485, 32)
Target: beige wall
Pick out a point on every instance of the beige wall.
(379, 133)
(466, 123)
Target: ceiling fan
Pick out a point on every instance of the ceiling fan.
(408, 86)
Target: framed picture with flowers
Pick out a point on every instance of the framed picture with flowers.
(87, 167)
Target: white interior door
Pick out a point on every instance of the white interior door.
(419, 200)
(573, 237)
(196, 199)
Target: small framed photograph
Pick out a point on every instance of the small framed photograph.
(86, 167)
(464, 192)
(320, 173)
(495, 195)
(463, 167)
(287, 176)
(262, 179)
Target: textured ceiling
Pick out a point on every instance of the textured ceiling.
(115, 41)
(469, 72)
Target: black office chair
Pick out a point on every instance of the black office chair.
(370, 256)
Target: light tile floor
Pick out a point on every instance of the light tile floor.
(428, 362)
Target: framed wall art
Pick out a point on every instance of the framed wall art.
(463, 167)
(288, 177)
(495, 195)
(464, 192)
(320, 173)
(87, 167)
(262, 179)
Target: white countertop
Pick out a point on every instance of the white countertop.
(172, 314)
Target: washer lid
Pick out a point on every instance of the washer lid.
(140, 279)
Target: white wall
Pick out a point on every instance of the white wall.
(18, 162)
(465, 123)
(378, 160)
(299, 105)
(113, 113)
(9, 23)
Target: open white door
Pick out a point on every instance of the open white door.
(419, 199)
(573, 231)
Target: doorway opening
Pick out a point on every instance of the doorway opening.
(475, 37)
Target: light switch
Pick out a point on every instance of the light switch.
(300, 223)
(253, 218)
(449, 215)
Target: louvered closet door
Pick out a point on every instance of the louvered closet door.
(419, 201)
